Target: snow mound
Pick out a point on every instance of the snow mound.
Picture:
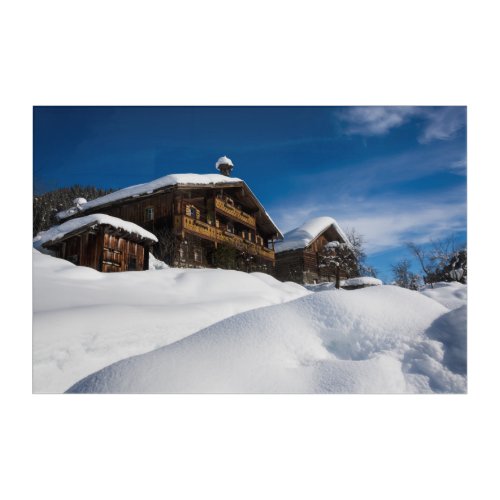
(321, 287)
(380, 339)
(443, 358)
(303, 236)
(79, 201)
(452, 295)
(362, 281)
(154, 263)
(223, 160)
(330, 285)
(84, 320)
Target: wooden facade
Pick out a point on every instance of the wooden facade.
(104, 248)
(199, 220)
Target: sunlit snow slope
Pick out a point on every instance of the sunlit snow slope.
(381, 339)
(84, 320)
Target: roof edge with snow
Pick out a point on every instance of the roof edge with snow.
(79, 224)
(157, 185)
(303, 236)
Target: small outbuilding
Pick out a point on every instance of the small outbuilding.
(99, 241)
(299, 255)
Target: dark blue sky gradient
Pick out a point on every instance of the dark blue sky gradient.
(300, 161)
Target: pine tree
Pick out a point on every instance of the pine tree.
(46, 206)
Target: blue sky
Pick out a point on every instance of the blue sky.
(395, 174)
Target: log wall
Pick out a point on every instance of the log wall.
(103, 251)
(135, 211)
(120, 254)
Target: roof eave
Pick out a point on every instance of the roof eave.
(134, 236)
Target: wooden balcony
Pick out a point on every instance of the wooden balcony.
(244, 245)
(232, 212)
(195, 226)
(264, 252)
(217, 235)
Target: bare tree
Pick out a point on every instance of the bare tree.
(422, 257)
(357, 242)
(404, 277)
(440, 259)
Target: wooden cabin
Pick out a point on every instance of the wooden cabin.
(209, 220)
(101, 242)
(299, 257)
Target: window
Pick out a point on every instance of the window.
(149, 214)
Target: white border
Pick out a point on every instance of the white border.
(325, 53)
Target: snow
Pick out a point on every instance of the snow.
(79, 201)
(362, 281)
(174, 330)
(149, 187)
(223, 160)
(452, 295)
(332, 244)
(84, 320)
(382, 339)
(154, 263)
(321, 287)
(302, 236)
(330, 285)
(58, 232)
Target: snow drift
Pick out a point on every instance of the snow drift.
(84, 320)
(452, 295)
(381, 339)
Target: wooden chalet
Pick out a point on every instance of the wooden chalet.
(101, 242)
(209, 220)
(298, 256)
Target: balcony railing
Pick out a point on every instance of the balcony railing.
(199, 227)
(267, 253)
(234, 213)
(215, 234)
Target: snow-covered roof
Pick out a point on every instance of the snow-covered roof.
(57, 232)
(303, 236)
(223, 160)
(162, 182)
(149, 187)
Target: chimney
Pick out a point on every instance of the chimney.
(224, 165)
